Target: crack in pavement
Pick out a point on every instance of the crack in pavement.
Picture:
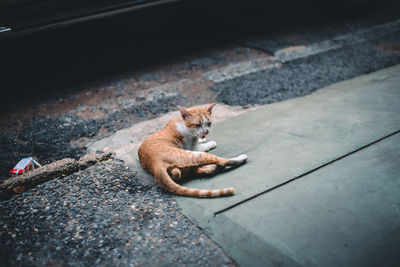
(306, 173)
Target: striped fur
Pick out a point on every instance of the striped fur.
(174, 152)
(168, 184)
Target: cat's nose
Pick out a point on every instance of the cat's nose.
(205, 131)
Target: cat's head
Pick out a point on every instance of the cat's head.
(197, 120)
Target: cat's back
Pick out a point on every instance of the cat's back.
(153, 143)
(159, 143)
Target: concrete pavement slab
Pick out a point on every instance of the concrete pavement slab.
(290, 138)
(348, 190)
(345, 214)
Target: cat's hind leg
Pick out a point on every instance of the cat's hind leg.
(207, 169)
(203, 158)
(213, 168)
(175, 174)
(237, 160)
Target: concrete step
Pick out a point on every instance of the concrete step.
(292, 146)
(345, 214)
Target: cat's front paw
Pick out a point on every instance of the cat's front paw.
(204, 147)
(211, 145)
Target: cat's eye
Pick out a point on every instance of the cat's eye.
(198, 125)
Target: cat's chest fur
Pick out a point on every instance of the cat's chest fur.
(189, 142)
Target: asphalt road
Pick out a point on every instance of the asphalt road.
(79, 84)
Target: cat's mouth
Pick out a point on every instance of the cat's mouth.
(201, 136)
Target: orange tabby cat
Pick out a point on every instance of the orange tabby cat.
(175, 151)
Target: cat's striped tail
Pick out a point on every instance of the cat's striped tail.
(168, 184)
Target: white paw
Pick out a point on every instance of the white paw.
(204, 147)
(242, 158)
(239, 159)
(211, 145)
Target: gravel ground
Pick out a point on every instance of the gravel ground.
(51, 138)
(305, 75)
(101, 216)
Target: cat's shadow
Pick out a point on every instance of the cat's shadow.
(192, 176)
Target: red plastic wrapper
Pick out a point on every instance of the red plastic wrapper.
(23, 166)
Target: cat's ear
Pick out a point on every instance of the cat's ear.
(184, 112)
(210, 107)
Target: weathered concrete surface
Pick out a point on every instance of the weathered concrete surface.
(343, 211)
(287, 139)
(346, 214)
